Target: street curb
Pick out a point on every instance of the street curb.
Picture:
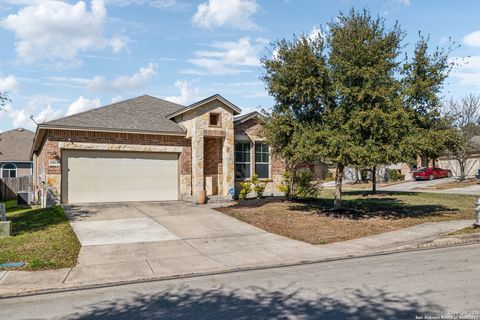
(403, 249)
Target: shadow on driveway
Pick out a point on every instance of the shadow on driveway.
(257, 303)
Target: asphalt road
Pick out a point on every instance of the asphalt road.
(398, 286)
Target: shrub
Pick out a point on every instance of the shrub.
(329, 177)
(245, 189)
(306, 185)
(395, 175)
(285, 186)
(258, 186)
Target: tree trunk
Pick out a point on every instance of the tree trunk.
(462, 170)
(338, 185)
(374, 180)
(424, 162)
(293, 180)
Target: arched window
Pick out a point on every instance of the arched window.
(9, 170)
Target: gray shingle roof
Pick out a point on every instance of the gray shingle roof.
(15, 145)
(144, 113)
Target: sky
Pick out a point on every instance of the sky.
(59, 58)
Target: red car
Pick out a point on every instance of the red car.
(431, 173)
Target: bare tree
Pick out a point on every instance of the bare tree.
(466, 119)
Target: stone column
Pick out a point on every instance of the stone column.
(198, 179)
(228, 153)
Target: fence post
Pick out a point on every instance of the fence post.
(3, 212)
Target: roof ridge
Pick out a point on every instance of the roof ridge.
(247, 115)
(203, 101)
(19, 129)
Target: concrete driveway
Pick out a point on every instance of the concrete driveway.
(168, 238)
(109, 224)
(414, 185)
(421, 186)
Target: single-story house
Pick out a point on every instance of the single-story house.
(472, 165)
(15, 147)
(149, 149)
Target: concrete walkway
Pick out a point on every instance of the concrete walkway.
(211, 243)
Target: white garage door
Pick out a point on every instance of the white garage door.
(109, 176)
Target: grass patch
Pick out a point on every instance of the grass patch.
(42, 238)
(467, 230)
(316, 222)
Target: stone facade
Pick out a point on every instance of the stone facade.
(196, 122)
(206, 151)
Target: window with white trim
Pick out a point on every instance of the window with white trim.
(9, 170)
(262, 163)
(242, 160)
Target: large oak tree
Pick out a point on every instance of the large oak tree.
(345, 96)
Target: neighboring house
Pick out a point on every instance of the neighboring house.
(148, 149)
(472, 165)
(15, 147)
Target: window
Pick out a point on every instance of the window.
(214, 120)
(9, 170)
(242, 160)
(261, 160)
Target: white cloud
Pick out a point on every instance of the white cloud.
(467, 71)
(187, 93)
(39, 106)
(123, 83)
(390, 6)
(117, 98)
(47, 114)
(315, 34)
(82, 104)
(159, 4)
(9, 84)
(233, 13)
(472, 39)
(20, 118)
(58, 31)
(228, 57)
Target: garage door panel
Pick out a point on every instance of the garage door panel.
(95, 176)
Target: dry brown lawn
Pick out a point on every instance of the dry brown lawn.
(467, 230)
(316, 222)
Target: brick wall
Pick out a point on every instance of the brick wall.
(50, 154)
(213, 166)
(213, 156)
(116, 137)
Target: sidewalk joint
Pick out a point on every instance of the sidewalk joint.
(68, 273)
